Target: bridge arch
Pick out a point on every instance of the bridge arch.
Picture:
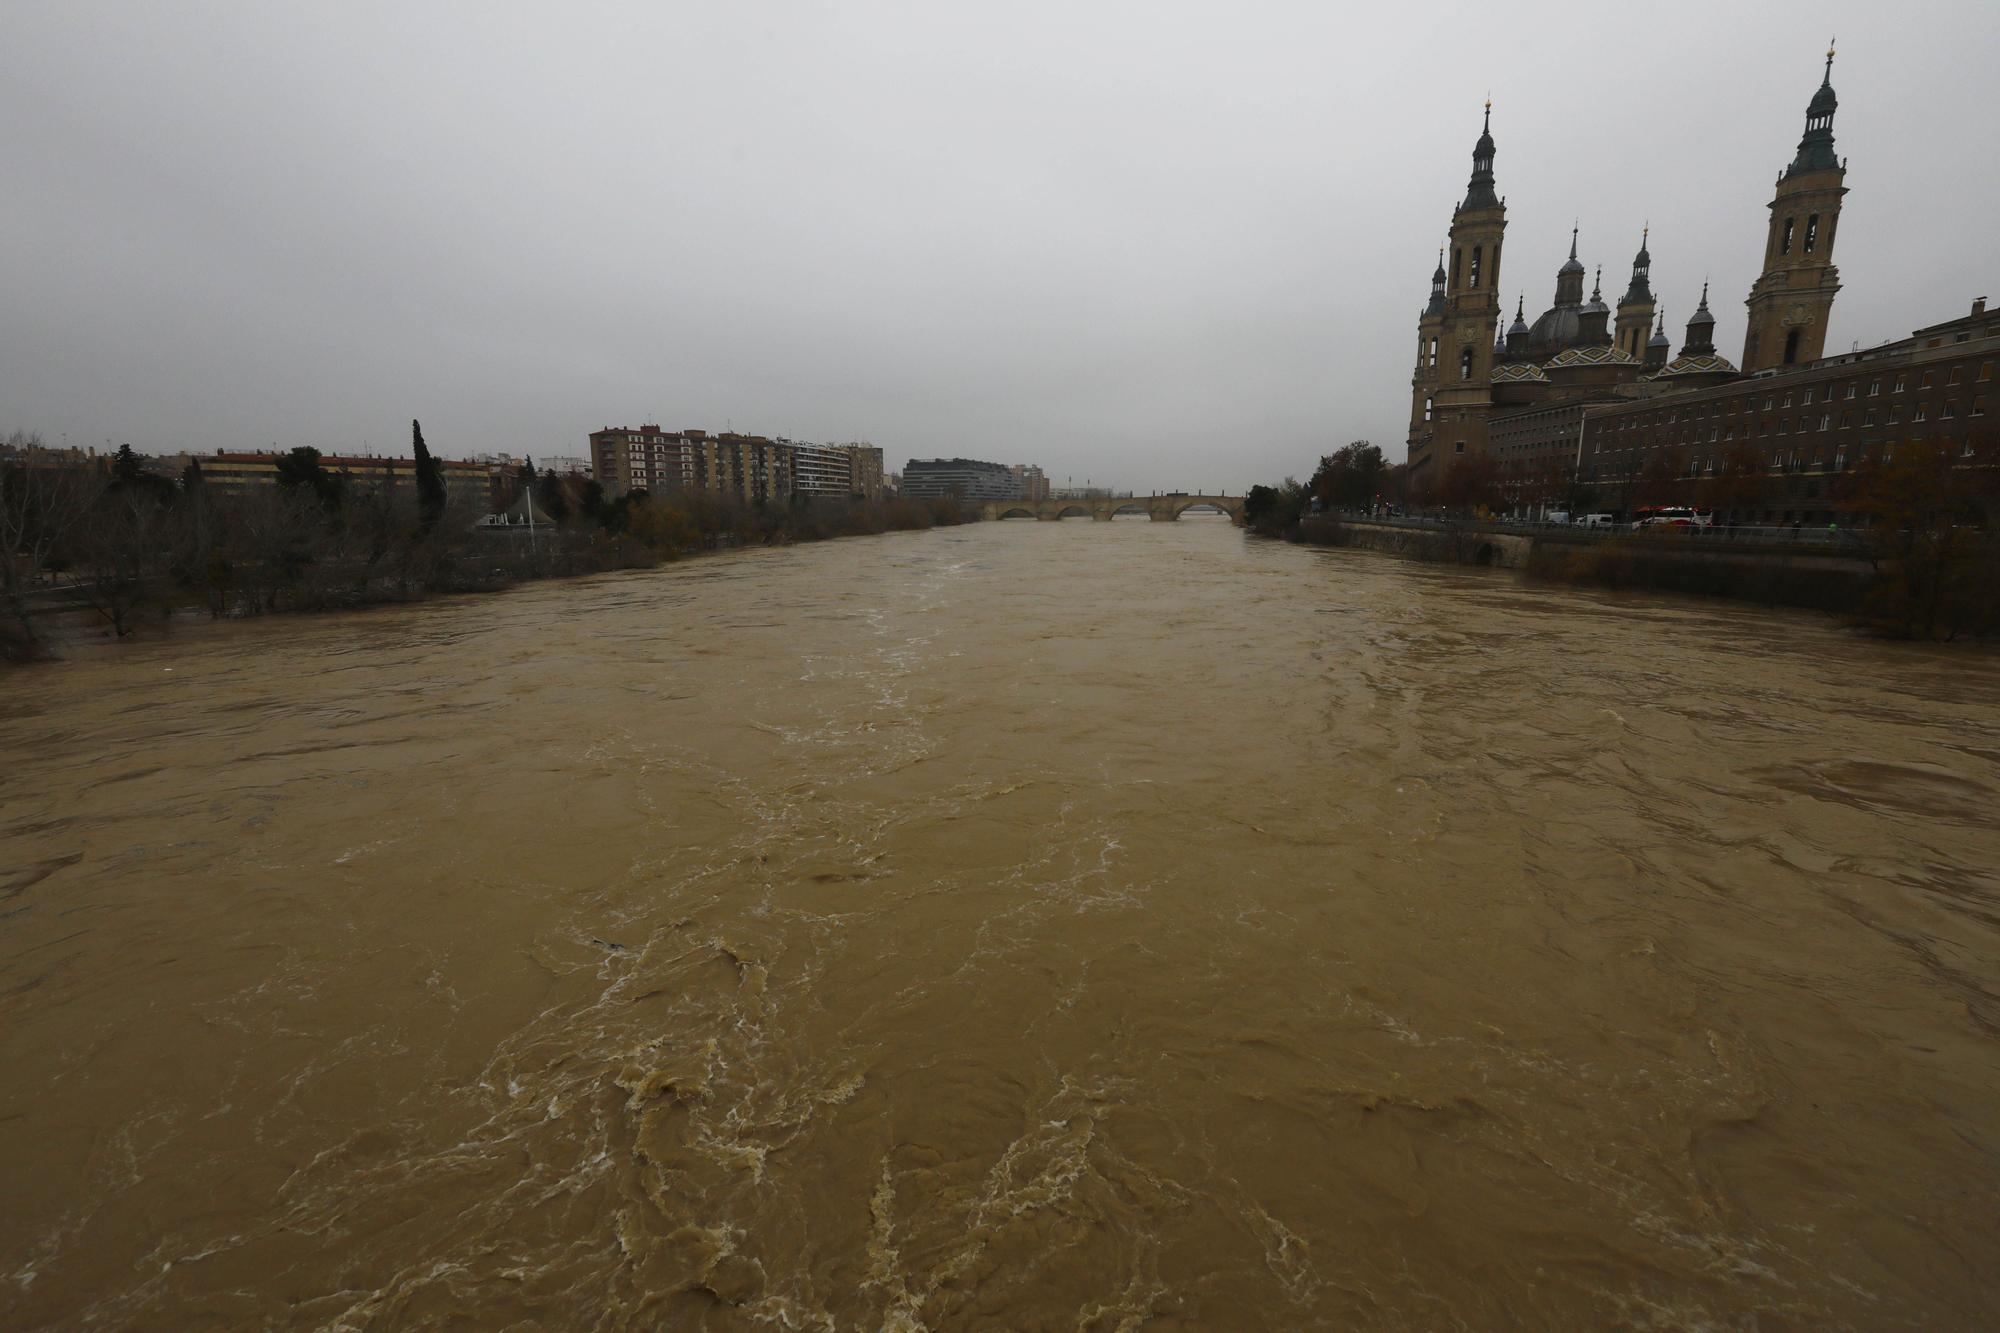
(1205, 504)
(1159, 507)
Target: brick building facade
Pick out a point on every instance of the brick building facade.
(1769, 448)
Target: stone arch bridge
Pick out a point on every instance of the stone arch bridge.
(1159, 508)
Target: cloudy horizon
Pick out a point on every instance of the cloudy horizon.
(1162, 247)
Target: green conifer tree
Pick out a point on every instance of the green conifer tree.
(430, 481)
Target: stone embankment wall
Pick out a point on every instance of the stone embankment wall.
(1441, 545)
(1825, 580)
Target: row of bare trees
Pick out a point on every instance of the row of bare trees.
(122, 543)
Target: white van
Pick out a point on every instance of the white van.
(1596, 520)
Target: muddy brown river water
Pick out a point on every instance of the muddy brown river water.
(1025, 926)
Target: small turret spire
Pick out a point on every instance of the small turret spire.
(1479, 193)
(1816, 147)
(1572, 240)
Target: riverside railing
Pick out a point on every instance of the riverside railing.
(1844, 539)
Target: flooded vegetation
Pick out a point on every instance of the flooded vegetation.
(1061, 925)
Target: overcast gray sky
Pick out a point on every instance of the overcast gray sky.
(1163, 245)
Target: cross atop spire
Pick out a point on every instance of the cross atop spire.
(1828, 80)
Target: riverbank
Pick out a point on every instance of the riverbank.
(1892, 592)
(317, 566)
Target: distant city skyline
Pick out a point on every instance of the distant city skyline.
(1165, 247)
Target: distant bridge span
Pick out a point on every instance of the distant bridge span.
(1159, 508)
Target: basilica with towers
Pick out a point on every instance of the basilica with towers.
(1488, 385)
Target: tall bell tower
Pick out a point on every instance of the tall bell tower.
(1472, 307)
(1792, 300)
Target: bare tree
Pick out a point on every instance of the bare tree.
(121, 547)
(43, 497)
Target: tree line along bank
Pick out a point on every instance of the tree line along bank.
(114, 541)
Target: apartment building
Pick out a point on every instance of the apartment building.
(962, 478)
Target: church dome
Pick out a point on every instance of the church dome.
(1556, 327)
(1570, 358)
(1685, 366)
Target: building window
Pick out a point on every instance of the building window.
(1852, 389)
(1812, 233)
(1465, 364)
(1434, 351)
(1427, 409)
(1922, 413)
(1985, 371)
(1478, 253)
(1840, 459)
(1868, 417)
(1979, 406)
(1953, 377)
(1895, 415)
(1825, 420)
(1458, 447)
(1930, 378)
(1788, 400)
(1792, 348)
(1784, 425)
(1875, 388)
(1785, 245)
(1950, 410)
